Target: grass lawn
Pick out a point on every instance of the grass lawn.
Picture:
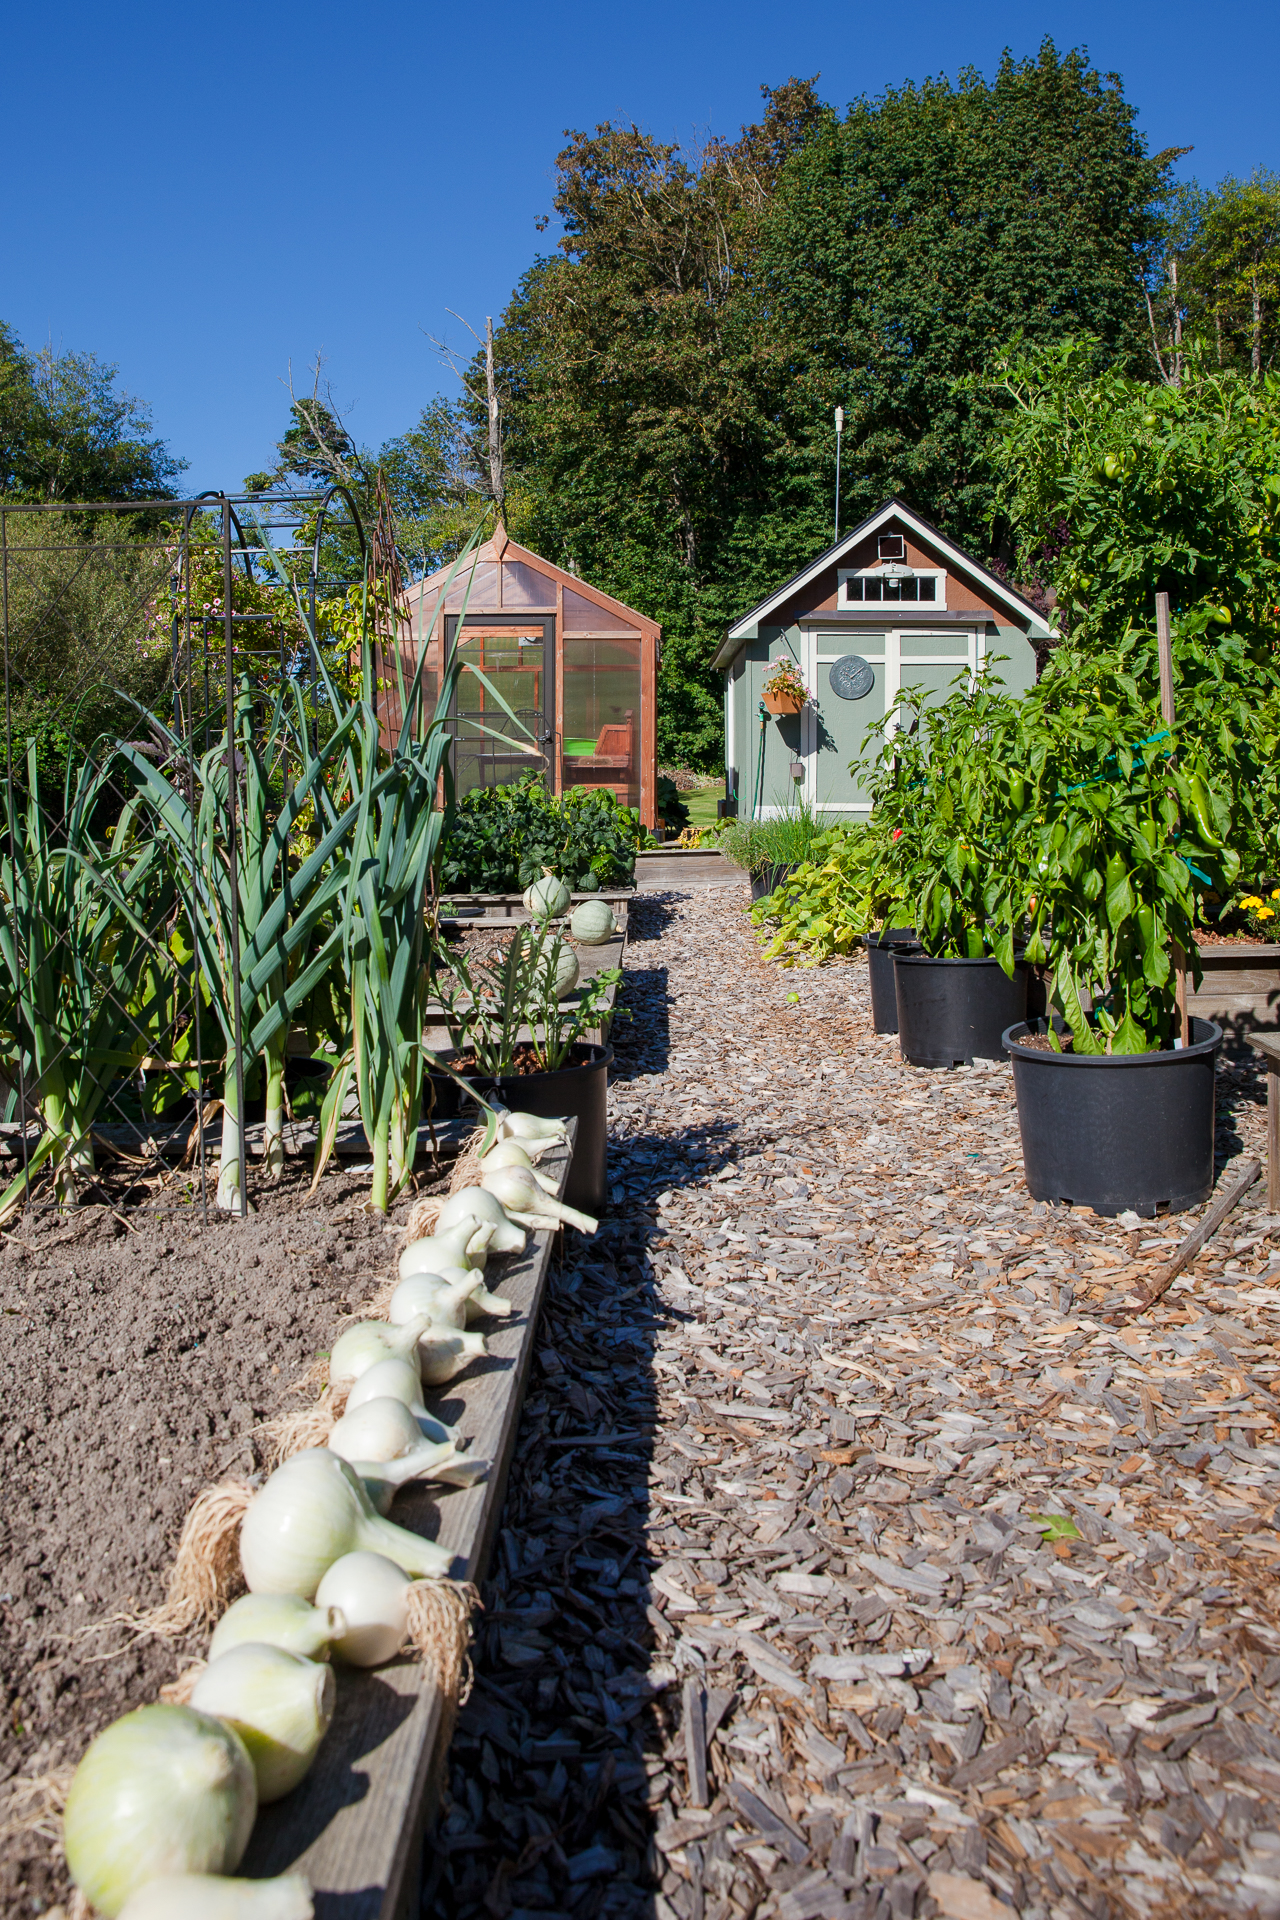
(702, 806)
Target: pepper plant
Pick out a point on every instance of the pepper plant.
(948, 789)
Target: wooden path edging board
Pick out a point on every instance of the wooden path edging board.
(677, 867)
(354, 1826)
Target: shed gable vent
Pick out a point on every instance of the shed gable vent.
(892, 546)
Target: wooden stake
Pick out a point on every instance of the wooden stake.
(1166, 657)
(1190, 1247)
(1165, 645)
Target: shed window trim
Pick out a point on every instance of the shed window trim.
(848, 596)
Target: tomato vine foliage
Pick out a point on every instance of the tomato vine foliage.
(501, 839)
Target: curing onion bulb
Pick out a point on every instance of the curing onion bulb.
(370, 1341)
(163, 1790)
(280, 1706)
(375, 1605)
(201, 1896)
(473, 1203)
(444, 1302)
(312, 1511)
(398, 1380)
(277, 1620)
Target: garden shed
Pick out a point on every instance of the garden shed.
(578, 667)
(892, 604)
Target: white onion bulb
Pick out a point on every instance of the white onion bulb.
(444, 1302)
(466, 1245)
(280, 1706)
(444, 1354)
(509, 1153)
(521, 1195)
(371, 1592)
(376, 1430)
(276, 1620)
(201, 1896)
(473, 1203)
(163, 1790)
(533, 1130)
(369, 1341)
(313, 1510)
(399, 1380)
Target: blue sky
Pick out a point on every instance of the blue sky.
(204, 196)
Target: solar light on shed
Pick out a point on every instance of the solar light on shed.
(839, 431)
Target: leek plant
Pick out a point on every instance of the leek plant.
(284, 916)
(394, 847)
(81, 988)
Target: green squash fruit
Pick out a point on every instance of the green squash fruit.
(592, 923)
(566, 974)
(547, 898)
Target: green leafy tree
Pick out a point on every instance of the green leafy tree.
(908, 240)
(633, 393)
(671, 373)
(1237, 263)
(68, 432)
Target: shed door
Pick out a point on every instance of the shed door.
(837, 719)
(516, 655)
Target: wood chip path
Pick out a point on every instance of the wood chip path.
(858, 1561)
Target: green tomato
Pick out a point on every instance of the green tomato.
(1149, 420)
(1222, 615)
(1112, 466)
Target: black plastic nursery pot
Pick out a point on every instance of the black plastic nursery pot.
(884, 996)
(951, 1012)
(577, 1091)
(770, 878)
(1117, 1131)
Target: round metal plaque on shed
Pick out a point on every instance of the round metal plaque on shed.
(852, 678)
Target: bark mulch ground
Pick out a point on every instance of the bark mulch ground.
(858, 1561)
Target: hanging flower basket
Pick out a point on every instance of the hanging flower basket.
(784, 691)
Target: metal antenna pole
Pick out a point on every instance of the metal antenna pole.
(839, 432)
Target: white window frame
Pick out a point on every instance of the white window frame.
(845, 574)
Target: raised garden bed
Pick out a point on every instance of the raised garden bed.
(1240, 989)
(170, 1381)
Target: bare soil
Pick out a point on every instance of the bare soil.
(138, 1353)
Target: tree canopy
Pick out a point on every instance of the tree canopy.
(68, 432)
(670, 373)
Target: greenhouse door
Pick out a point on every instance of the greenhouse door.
(516, 655)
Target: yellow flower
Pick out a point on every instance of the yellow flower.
(1249, 900)
(1275, 893)
(1266, 913)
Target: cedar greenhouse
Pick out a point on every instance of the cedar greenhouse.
(577, 667)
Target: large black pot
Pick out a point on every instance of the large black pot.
(951, 1011)
(770, 878)
(575, 1091)
(1121, 1130)
(884, 995)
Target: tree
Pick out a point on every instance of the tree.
(910, 241)
(632, 390)
(1237, 261)
(671, 374)
(67, 432)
